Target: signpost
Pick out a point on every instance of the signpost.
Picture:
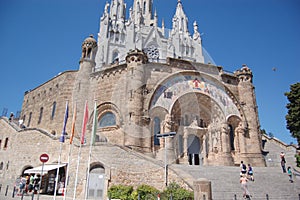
(165, 135)
(43, 158)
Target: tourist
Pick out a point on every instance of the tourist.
(22, 185)
(11, 117)
(250, 173)
(244, 186)
(282, 162)
(289, 172)
(243, 168)
(31, 182)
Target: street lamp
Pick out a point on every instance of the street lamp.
(165, 136)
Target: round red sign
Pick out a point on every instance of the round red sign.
(44, 158)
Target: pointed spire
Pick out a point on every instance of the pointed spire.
(143, 11)
(180, 20)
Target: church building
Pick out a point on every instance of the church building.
(159, 98)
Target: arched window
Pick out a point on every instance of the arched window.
(29, 119)
(5, 143)
(115, 57)
(41, 115)
(53, 110)
(156, 130)
(108, 119)
(1, 166)
(144, 7)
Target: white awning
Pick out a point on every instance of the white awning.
(38, 170)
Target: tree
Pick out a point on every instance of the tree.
(293, 116)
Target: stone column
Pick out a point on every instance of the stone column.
(185, 146)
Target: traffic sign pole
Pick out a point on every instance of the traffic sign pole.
(43, 158)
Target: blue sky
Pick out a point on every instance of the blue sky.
(41, 38)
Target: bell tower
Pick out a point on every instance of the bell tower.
(82, 82)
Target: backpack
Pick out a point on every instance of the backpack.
(244, 167)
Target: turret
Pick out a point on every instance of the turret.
(136, 137)
(250, 124)
(82, 82)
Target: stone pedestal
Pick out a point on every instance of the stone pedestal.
(202, 189)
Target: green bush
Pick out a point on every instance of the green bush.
(146, 192)
(120, 192)
(177, 192)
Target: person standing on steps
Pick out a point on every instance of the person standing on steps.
(244, 186)
(282, 162)
(289, 172)
(243, 168)
(250, 173)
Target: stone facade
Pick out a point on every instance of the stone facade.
(138, 97)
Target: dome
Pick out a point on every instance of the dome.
(89, 42)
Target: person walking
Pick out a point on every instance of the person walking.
(244, 186)
(282, 162)
(243, 168)
(290, 174)
(250, 173)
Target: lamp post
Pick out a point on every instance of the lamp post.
(165, 136)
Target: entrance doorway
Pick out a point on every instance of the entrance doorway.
(194, 150)
(96, 183)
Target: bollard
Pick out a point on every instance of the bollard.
(6, 190)
(267, 196)
(235, 197)
(32, 196)
(171, 197)
(14, 191)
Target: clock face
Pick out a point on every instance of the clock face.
(152, 52)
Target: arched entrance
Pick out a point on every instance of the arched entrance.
(96, 183)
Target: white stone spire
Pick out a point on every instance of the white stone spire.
(143, 12)
(180, 20)
(118, 35)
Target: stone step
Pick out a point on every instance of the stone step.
(225, 181)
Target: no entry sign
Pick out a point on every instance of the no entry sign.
(44, 158)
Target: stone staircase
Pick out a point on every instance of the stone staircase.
(225, 182)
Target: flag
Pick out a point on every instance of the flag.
(85, 120)
(73, 125)
(63, 134)
(95, 123)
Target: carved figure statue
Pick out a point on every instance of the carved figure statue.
(106, 8)
(167, 124)
(240, 130)
(196, 33)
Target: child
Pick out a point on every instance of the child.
(289, 172)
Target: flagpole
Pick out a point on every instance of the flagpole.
(70, 150)
(84, 123)
(77, 170)
(57, 173)
(61, 140)
(67, 175)
(90, 152)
